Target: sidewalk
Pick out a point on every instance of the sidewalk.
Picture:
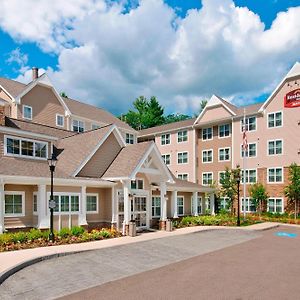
(11, 262)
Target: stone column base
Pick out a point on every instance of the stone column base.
(126, 229)
(162, 225)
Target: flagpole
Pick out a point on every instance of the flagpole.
(244, 164)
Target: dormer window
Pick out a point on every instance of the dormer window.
(59, 120)
(78, 126)
(27, 112)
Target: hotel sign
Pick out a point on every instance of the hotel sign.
(292, 99)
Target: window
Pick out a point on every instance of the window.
(251, 152)
(165, 139)
(14, 204)
(250, 124)
(207, 156)
(250, 176)
(275, 205)
(155, 206)
(74, 203)
(60, 120)
(224, 203)
(275, 175)
(25, 148)
(207, 134)
(35, 204)
(92, 203)
(224, 130)
(199, 205)
(221, 176)
(129, 138)
(180, 205)
(275, 119)
(183, 176)
(249, 205)
(275, 147)
(95, 126)
(27, 112)
(66, 203)
(207, 178)
(166, 158)
(182, 136)
(224, 154)
(137, 184)
(78, 126)
(182, 158)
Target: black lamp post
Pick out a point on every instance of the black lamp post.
(238, 181)
(52, 163)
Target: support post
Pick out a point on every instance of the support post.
(113, 209)
(203, 205)
(174, 204)
(195, 204)
(82, 215)
(2, 199)
(126, 207)
(163, 206)
(43, 220)
(212, 203)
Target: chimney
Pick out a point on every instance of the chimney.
(35, 73)
(2, 115)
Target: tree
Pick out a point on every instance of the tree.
(202, 105)
(292, 190)
(175, 118)
(63, 94)
(259, 195)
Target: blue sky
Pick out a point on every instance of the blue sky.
(98, 53)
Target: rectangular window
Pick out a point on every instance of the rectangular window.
(155, 206)
(275, 147)
(224, 154)
(66, 203)
(95, 126)
(199, 205)
(40, 150)
(27, 112)
(207, 134)
(249, 205)
(35, 204)
(92, 203)
(224, 130)
(207, 156)
(60, 120)
(275, 205)
(250, 176)
(74, 203)
(182, 157)
(129, 138)
(14, 204)
(183, 176)
(275, 119)
(26, 148)
(182, 136)
(180, 205)
(165, 139)
(137, 184)
(275, 175)
(224, 203)
(13, 146)
(207, 178)
(78, 126)
(221, 176)
(166, 158)
(251, 152)
(250, 124)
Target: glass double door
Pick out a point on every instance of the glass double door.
(139, 211)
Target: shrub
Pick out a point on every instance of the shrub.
(64, 232)
(77, 230)
(105, 233)
(19, 237)
(34, 234)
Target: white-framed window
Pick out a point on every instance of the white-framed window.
(166, 158)
(95, 126)
(275, 205)
(207, 178)
(182, 136)
(207, 134)
(137, 184)
(35, 203)
(224, 130)
(251, 175)
(224, 154)
(180, 205)
(15, 146)
(275, 147)
(165, 139)
(129, 138)
(251, 152)
(182, 157)
(183, 176)
(14, 204)
(92, 203)
(275, 175)
(275, 119)
(224, 203)
(249, 205)
(27, 112)
(207, 156)
(60, 120)
(155, 206)
(78, 126)
(199, 205)
(66, 203)
(250, 124)
(221, 176)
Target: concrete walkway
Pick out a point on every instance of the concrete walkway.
(11, 262)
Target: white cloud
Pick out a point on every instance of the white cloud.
(19, 58)
(220, 49)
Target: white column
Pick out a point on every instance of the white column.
(174, 204)
(113, 207)
(42, 207)
(212, 203)
(82, 214)
(195, 203)
(2, 199)
(163, 202)
(203, 205)
(126, 202)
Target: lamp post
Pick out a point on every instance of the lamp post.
(238, 181)
(52, 163)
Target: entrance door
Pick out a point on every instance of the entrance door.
(139, 211)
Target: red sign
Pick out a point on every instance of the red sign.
(292, 99)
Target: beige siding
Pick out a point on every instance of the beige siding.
(215, 113)
(4, 96)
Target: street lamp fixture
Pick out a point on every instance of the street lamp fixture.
(52, 163)
(238, 181)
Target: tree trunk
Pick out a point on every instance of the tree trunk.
(295, 214)
(259, 209)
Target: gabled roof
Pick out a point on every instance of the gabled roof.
(12, 87)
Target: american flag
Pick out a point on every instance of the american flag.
(245, 142)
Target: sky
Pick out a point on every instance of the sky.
(109, 52)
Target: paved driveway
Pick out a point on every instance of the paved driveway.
(66, 275)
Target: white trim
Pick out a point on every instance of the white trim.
(170, 130)
(274, 113)
(183, 174)
(23, 114)
(97, 203)
(78, 126)
(136, 182)
(163, 155)
(212, 178)
(248, 177)
(183, 163)
(219, 177)
(241, 150)
(212, 156)
(275, 199)
(230, 130)
(224, 148)
(275, 154)
(22, 193)
(165, 134)
(187, 137)
(156, 215)
(212, 133)
(282, 175)
(56, 118)
(13, 100)
(182, 197)
(69, 194)
(35, 213)
(247, 204)
(247, 118)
